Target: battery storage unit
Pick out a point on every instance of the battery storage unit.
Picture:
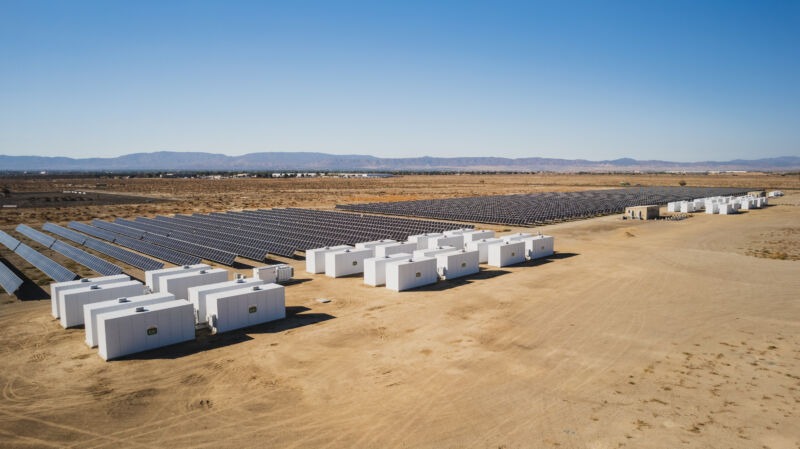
(456, 241)
(72, 301)
(405, 274)
(539, 246)
(423, 241)
(430, 252)
(235, 309)
(515, 237)
(506, 253)
(726, 209)
(198, 295)
(375, 268)
(137, 329)
(90, 311)
(373, 244)
(57, 287)
(152, 277)
(280, 272)
(477, 235)
(395, 248)
(455, 264)
(178, 284)
(346, 262)
(453, 232)
(315, 258)
(482, 246)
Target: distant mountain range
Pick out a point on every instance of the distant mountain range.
(177, 161)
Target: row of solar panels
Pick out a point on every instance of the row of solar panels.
(89, 261)
(35, 258)
(123, 255)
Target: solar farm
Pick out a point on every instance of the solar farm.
(427, 307)
(538, 208)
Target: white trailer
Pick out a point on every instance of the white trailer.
(279, 272)
(395, 248)
(482, 246)
(477, 235)
(57, 287)
(346, 262)
(456, 241)
(235, 309)
(423, 241)
(151, 277)
(430, 252)
(410, 273)
(71, 302)
(128, 331)
(198, 295)
(506, 253)
(178, 284)
(455, 264)
(91, 311)
(315, 258)
(375, 268)
(373, 244)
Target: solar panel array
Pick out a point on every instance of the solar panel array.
(8, 280)
(159, 252)
(535, 208)
(117, 229)
(37, 236)
(93, 231)
(10, 242)
(89, 261)
(44, 264)
(129, 257)
(68, 234)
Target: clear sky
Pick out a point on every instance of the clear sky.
(675, 80)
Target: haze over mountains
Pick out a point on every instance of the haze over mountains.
(195, 161)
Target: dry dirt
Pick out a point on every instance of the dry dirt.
(636, 334)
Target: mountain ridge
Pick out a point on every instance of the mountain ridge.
(311, 161)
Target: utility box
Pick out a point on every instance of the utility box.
(137, 329)
(179, 284)
(315, 258)
(539, 246)
(430, 252)
(91, 311)
(72, 301)
(199, 294)
(477, 235)
(456, 241)
(423, 241)
(482, 246)
(644, 212)
(235, 309)
(757, 193)
(151, 277)
(375, 268)
(506, 253)
(373, 244)
(726, 209)
(455, 264)
(57, 287)
(280, 272)
(346, 262)
(712, 207)
(453, 232)
(395, 248)
(410, 273)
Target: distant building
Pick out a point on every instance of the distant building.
(642, 212)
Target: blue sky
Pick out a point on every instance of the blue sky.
(674, 80)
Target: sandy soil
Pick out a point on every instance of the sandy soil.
(636, 334)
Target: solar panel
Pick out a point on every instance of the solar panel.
(44, 264)
(89, 261)
(158, 251)
(10, 242)
(91, 230)
(216, 255)
(129, 257)
(8, 280)
(35, 235)
(68, 234)
(118, 229)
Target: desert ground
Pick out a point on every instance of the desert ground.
(634, 334)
